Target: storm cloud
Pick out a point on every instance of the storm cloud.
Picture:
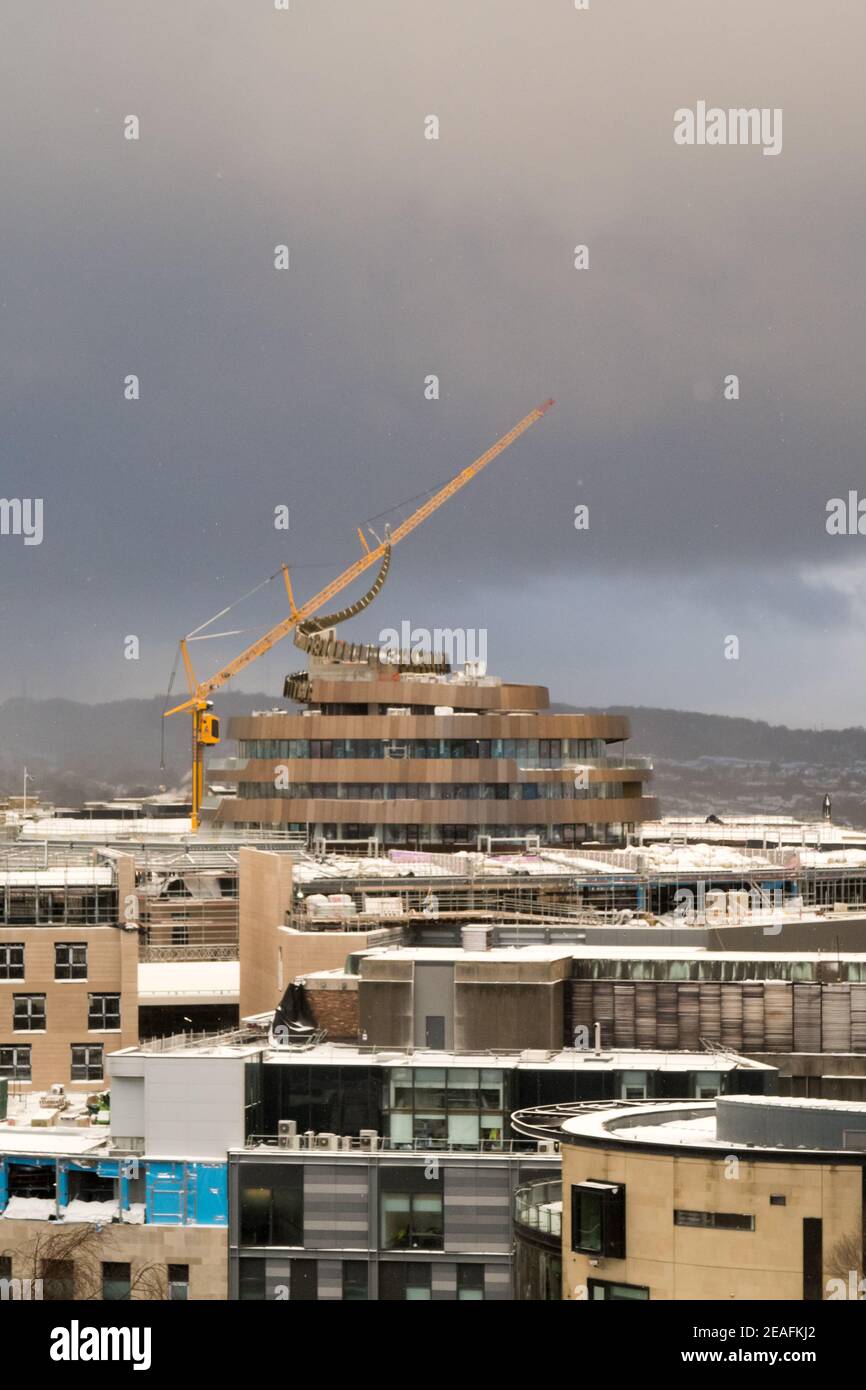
(410, 257)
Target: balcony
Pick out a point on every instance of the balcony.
(538, 1210)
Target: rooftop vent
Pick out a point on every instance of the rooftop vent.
(476, 938)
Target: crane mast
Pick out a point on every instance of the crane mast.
(205, 726)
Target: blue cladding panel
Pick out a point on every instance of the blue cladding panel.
(164, 1187)
(191, 1194)
(207, 1194)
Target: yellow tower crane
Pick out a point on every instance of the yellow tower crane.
(205, 726)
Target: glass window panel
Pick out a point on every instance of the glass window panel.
(462, 1089)
(355, 1285)
(401, 1130)
(401, 1088)
(588, 1213)
(464, 1130)
(491, 1129)
(470, 1283)
(395, 1210)
(430, 1087)
(427, 1127)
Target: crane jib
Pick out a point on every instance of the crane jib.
(198, 690)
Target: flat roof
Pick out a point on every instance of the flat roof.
(59, 877)
(585, 951)
(21, 1139)
(693, 1125)
(350, 1054)
(568, 1059)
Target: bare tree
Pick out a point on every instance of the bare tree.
(83, 1247)
(845, 1258)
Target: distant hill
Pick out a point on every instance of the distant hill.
(704, 762)
(76, 752)
(715, 763)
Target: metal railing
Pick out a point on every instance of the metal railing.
(351, 1143)
(538, 1206)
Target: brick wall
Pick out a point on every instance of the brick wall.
(335, 1010)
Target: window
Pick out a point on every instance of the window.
(272, 1204)
(28, 1013)
(598, 1219)
(601, 1289)
(103, 1012)
(355, 1285)
(777, 1199)
(410, 1209)
(12, 962)
(708, 1084)
(58, 1281)
(178, 1283)
(404, 1283)
(15, 1063)
(116, 1281)
(634, 1085)
(304, 1281)
(470, 1283)
(5, 1266)
(251, 1281)
(715, 1220)
(813, 1259)
(87, 1063)
(70, 961)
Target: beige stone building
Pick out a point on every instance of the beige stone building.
(154, 1263)
(68, 972)
(748, 1197)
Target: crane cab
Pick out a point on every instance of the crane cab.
(209, 729)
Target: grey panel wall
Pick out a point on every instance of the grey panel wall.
(477, 1209)
(336, 1206)
(277, 1279)
(330, 1280)
(434, 994)
(127, 1107)
(497, 1282)
(790, 1125)
(444, 1279)
(193, 1105)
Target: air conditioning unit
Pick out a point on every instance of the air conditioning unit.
(369, 1138)
(309, 1138)
(346, 1142)
(327, 1141)
(443, 709)
(548, 1146)
(286, 1131)
(396, 709)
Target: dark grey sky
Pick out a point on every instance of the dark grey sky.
(409, 257)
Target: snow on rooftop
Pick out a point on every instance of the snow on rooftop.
(61, 876)
(22, 1139)
(120, 828)
(188, 979)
